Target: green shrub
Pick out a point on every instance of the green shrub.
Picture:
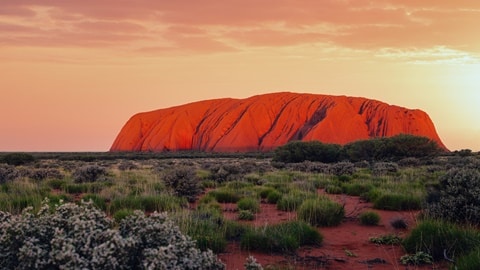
(246, 215)
(81, 236)
(369, 218)
(298, 151)
(321, 212)
(471, 261)
(250, 204)
(397, 202)
(457, 198)
(281, 238)
(435, 236)
(17, 159)
(184, 182)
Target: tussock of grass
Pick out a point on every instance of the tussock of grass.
(321, 212)
(435, 236)
(281, 238)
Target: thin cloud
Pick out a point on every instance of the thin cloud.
(217, 26)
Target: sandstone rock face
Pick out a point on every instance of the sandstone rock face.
(263, 122)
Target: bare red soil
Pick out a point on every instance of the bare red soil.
(264, 122)
(345, 246)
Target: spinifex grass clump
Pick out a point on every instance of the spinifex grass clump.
(435, 236)
(321, 212)
(159, 203)
(397, 202)
(225, 195)
(471, 261)
(282, 238)
(250, 204)
(369, 218)
(292, 200)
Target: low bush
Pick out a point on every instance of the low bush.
(281, 238)
(369, 218)
(17, 159)
(457, 197)
(89, 173)
(7, 173)
(250, 204)
(184, 182)
(42, 174)
(344, 168)
(81, 236)
(321, 212)
(399, 223)
(435, 236)
(382, 168)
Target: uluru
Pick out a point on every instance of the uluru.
(264, 122)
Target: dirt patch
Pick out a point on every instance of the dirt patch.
(345, 246)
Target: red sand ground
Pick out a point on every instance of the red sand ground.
(349, 237)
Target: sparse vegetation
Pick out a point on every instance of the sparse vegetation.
(445, 188)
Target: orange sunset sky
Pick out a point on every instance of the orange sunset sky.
(73, 72)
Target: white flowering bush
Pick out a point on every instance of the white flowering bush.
(82, 237)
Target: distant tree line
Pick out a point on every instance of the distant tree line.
(391, 148)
